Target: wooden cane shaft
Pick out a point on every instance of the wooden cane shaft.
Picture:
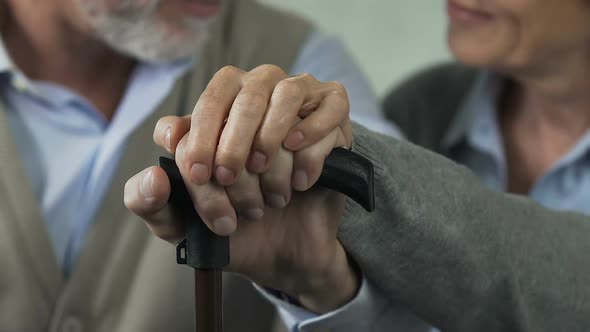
(208, 300)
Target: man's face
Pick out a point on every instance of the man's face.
(151, 30)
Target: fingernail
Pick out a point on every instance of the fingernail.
(224, 175)
(300, 180)
(254, 214)
(146, 185)
(199, 173)
(258, 161)
(168, 138)
(294, 139)
(277, 201)
(224, 226)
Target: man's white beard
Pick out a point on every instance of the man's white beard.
(140, 33)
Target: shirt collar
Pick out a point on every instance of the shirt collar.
(6, 64)
(476, 123)
(480, 103)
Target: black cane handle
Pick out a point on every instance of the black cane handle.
(344, 171)
(201, 248)
(350, 174)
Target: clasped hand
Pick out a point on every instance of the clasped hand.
(249, 153)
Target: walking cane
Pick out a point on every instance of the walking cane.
(344, 171)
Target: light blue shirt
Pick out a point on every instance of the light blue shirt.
(474, 140)
(67, 146)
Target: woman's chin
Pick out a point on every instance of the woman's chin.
(474, 55)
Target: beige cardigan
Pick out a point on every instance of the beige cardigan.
(127, 280)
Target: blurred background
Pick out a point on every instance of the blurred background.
(390, 38)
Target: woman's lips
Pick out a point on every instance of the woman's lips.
(202, 8)
(464, 15)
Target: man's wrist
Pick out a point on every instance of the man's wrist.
(338, 287)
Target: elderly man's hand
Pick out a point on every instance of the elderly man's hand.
(293, 248)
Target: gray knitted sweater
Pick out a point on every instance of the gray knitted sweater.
(458, 255)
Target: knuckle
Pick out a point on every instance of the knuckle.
(271, 69)
(231, 155)
(211, 206)
(206, 114)
(245, 199)
(314, 126)
(229, 72)
(275, 182)
(209, 104)
(340, 104)
(289, 90)
(191, 151)
(251, 104)
(196, 148)
(311, 157)
(181, 156)
(337, 87)
(267, 143)
(307, 77)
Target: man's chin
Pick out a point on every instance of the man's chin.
(201, 8)
(165, 53)
(155, 40)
